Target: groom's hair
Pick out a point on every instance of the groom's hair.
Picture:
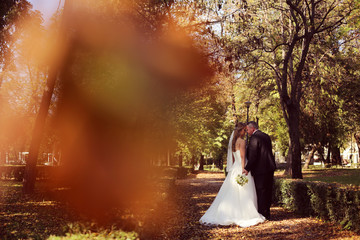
(253, 124)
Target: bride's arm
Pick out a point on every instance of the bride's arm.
(242, 152)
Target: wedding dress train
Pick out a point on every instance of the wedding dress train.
(234, 204)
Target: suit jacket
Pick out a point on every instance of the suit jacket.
(259, 154)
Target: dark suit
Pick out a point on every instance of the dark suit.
(261, 164)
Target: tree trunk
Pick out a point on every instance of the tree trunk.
(201, 167)
(30, 168)
(220, 162)
(321, 153)
(180, 160)
(288, 170)
(193, 162)
(310, 157)
(328, 154)
(336, 157)
(357, 139)
(294, 134)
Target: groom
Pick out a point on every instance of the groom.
(261, 164)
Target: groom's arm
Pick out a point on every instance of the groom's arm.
(252, 153)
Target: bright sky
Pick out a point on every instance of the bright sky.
(47, 7)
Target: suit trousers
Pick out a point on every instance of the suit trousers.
(264, 184)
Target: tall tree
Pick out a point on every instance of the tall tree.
(280, 35)
(38, 130)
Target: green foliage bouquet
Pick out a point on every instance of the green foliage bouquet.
(241, 179)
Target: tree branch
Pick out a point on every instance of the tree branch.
(332, 7)
(289, 2)
(274, 48)
(272, 67)
(335, 25)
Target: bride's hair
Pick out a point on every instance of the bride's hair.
(239, 126)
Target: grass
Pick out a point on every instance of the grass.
(342, 176)
(212, 168)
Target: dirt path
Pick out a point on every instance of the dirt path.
(193, 196)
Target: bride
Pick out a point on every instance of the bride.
(235, 204)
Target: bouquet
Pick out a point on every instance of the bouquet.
(241, 179)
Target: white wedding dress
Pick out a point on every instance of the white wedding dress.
(234, 204)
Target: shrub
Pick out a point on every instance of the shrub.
(284, 194)
(325, 200)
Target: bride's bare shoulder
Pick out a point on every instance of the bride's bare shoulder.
(240, 142)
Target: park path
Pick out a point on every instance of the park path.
(192, 196)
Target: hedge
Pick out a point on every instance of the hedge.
(332, 202)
